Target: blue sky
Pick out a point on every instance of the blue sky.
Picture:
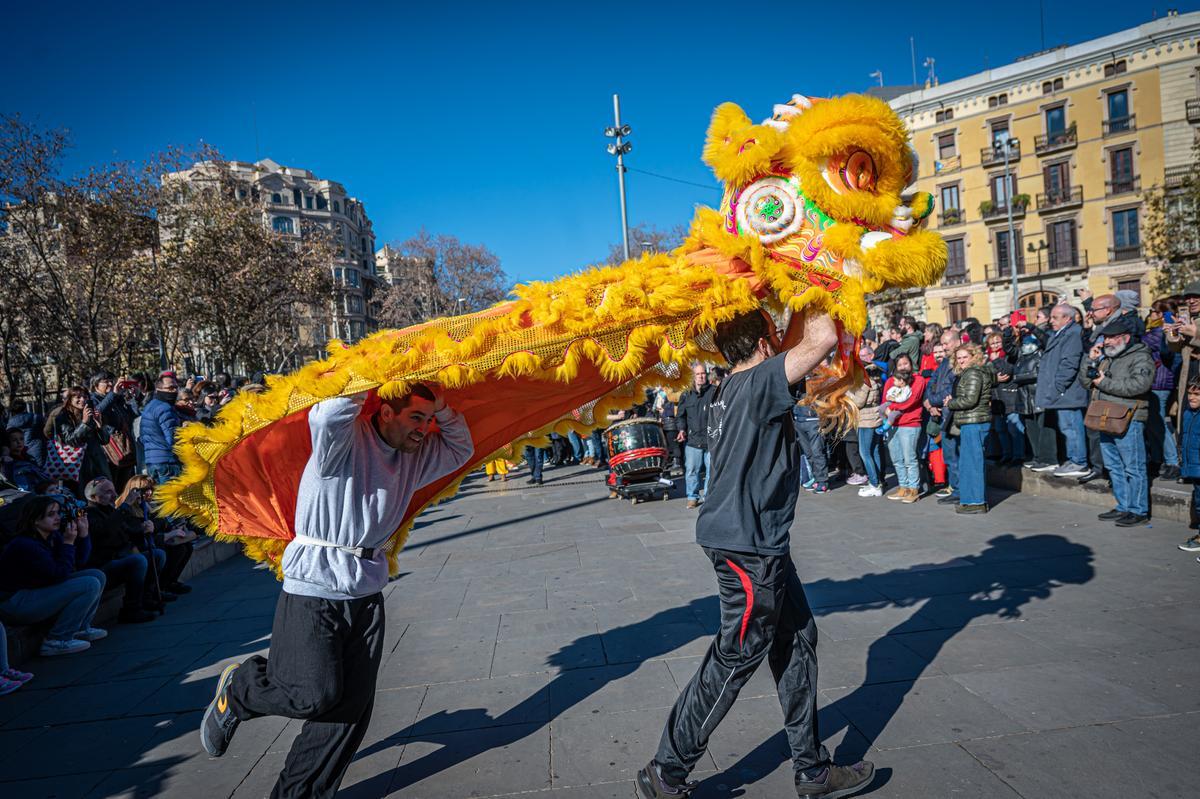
(485, 120)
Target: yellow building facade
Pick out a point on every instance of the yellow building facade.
(1085, 130)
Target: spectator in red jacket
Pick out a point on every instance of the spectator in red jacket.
(902, 442)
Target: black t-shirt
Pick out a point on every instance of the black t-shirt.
(755, 463)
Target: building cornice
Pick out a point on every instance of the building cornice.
(1123, 44)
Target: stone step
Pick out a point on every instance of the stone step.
(1168, 500)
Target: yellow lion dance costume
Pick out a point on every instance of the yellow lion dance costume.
(814, 214)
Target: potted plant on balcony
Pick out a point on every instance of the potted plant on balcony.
(952, 216)
(986, 207)
(1020, 202)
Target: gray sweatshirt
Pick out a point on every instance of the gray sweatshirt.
(354, 492)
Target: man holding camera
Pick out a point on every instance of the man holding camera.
(159, 421)
(1119, 369)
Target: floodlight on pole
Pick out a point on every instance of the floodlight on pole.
(620, 148)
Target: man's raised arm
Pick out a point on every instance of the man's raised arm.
(448, 449)
(818, 335)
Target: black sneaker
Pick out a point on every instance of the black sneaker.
(1132, 520)
(836, 781)
(653, 785)
(1092, 474)
(1110, 515)
(219, 722)
(949, 499)
(1169, 472)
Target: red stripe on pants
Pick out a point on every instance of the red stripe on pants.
(749, 589)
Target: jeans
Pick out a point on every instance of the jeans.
(75, 601)
(695, 459)
(1170, 450)
(1194, 516)
(576, 445)
(162, 472)
(536, 458)
(950, 447)
(902, 445)
(812, 444)
(764, 616)
(130, 571)
(1070, 424)
(589, 445)
(1010, 432)
(1125, 459)
(868, 450)
(970, 463)
(598, 443)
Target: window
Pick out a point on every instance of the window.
(999, 135)
(337, 207)
(1116, 68)
(352, 278)
(1121, 169)
(956, 265)
(1118, 111)
(1004, 256)
(999, 195)
(296, 197)
(944, 116)
(357, 330)
(950, 198)
(956, 310)
(277, 198)
(1057, 179)
(945, 145)
(354, 303)
(997, 100)
(1127, 238)
(1132, 284)
(283, 224)
(1052, 86)
(1036, 299)
(1056, 120)
(322, 203)
(1063, 252)
(337, 275)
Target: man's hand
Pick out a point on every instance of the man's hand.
(946, 401)
(148, 527)
(1099, 377)
(1096, 353)
(439, 397)
(1187, 328)
(681, 436)
(70, 531)
(81, 525)
(1085, 294)
(1003, 377)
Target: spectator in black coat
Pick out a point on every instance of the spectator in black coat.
(42, 577)
(118, 548)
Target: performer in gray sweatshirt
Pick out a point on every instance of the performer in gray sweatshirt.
(327, 639)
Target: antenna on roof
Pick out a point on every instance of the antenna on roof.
(912, 46)
(878, 75)
(932, 79)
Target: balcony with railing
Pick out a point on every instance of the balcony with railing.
(1118, 125)
(1129, 252)
(1060, 200)
(990, 156)
(1126, 185)
(951, 216)
(992, 211)
(1193, 109)
(956, 278)
(1059, 140)
(1174, 176)
(1055, 263)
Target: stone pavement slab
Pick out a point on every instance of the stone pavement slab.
(537, 638)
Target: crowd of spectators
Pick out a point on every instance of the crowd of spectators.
(76, 506)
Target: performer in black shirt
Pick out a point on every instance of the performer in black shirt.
(743, 528)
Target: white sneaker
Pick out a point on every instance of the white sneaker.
(870, 491)
(91, 634)
(57, 646)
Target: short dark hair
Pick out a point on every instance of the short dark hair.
(98, 376)
(19, 406)
(221, 379)
(738, 338)
(909, 321)
(421, 390)
(161, 382)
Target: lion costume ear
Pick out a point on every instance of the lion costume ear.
(738, 150)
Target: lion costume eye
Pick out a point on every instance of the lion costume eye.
(858, 173)
(767, 207)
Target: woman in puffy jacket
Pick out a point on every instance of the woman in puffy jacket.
(971, 404)
(867, 397)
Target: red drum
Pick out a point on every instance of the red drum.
(636, 447)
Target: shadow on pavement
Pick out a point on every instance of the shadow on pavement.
(998, 581)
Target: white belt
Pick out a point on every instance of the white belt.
(366, 553)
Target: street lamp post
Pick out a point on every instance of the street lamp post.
(620, 148)
(1012, 236)
(1041, 246)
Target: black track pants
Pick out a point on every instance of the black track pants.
(764, 614)
(324, 660)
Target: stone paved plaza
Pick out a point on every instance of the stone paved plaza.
(538, 637)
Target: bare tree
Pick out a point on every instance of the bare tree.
(646, 238)
(439, 276)
(243, 291)
(1172, 231)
